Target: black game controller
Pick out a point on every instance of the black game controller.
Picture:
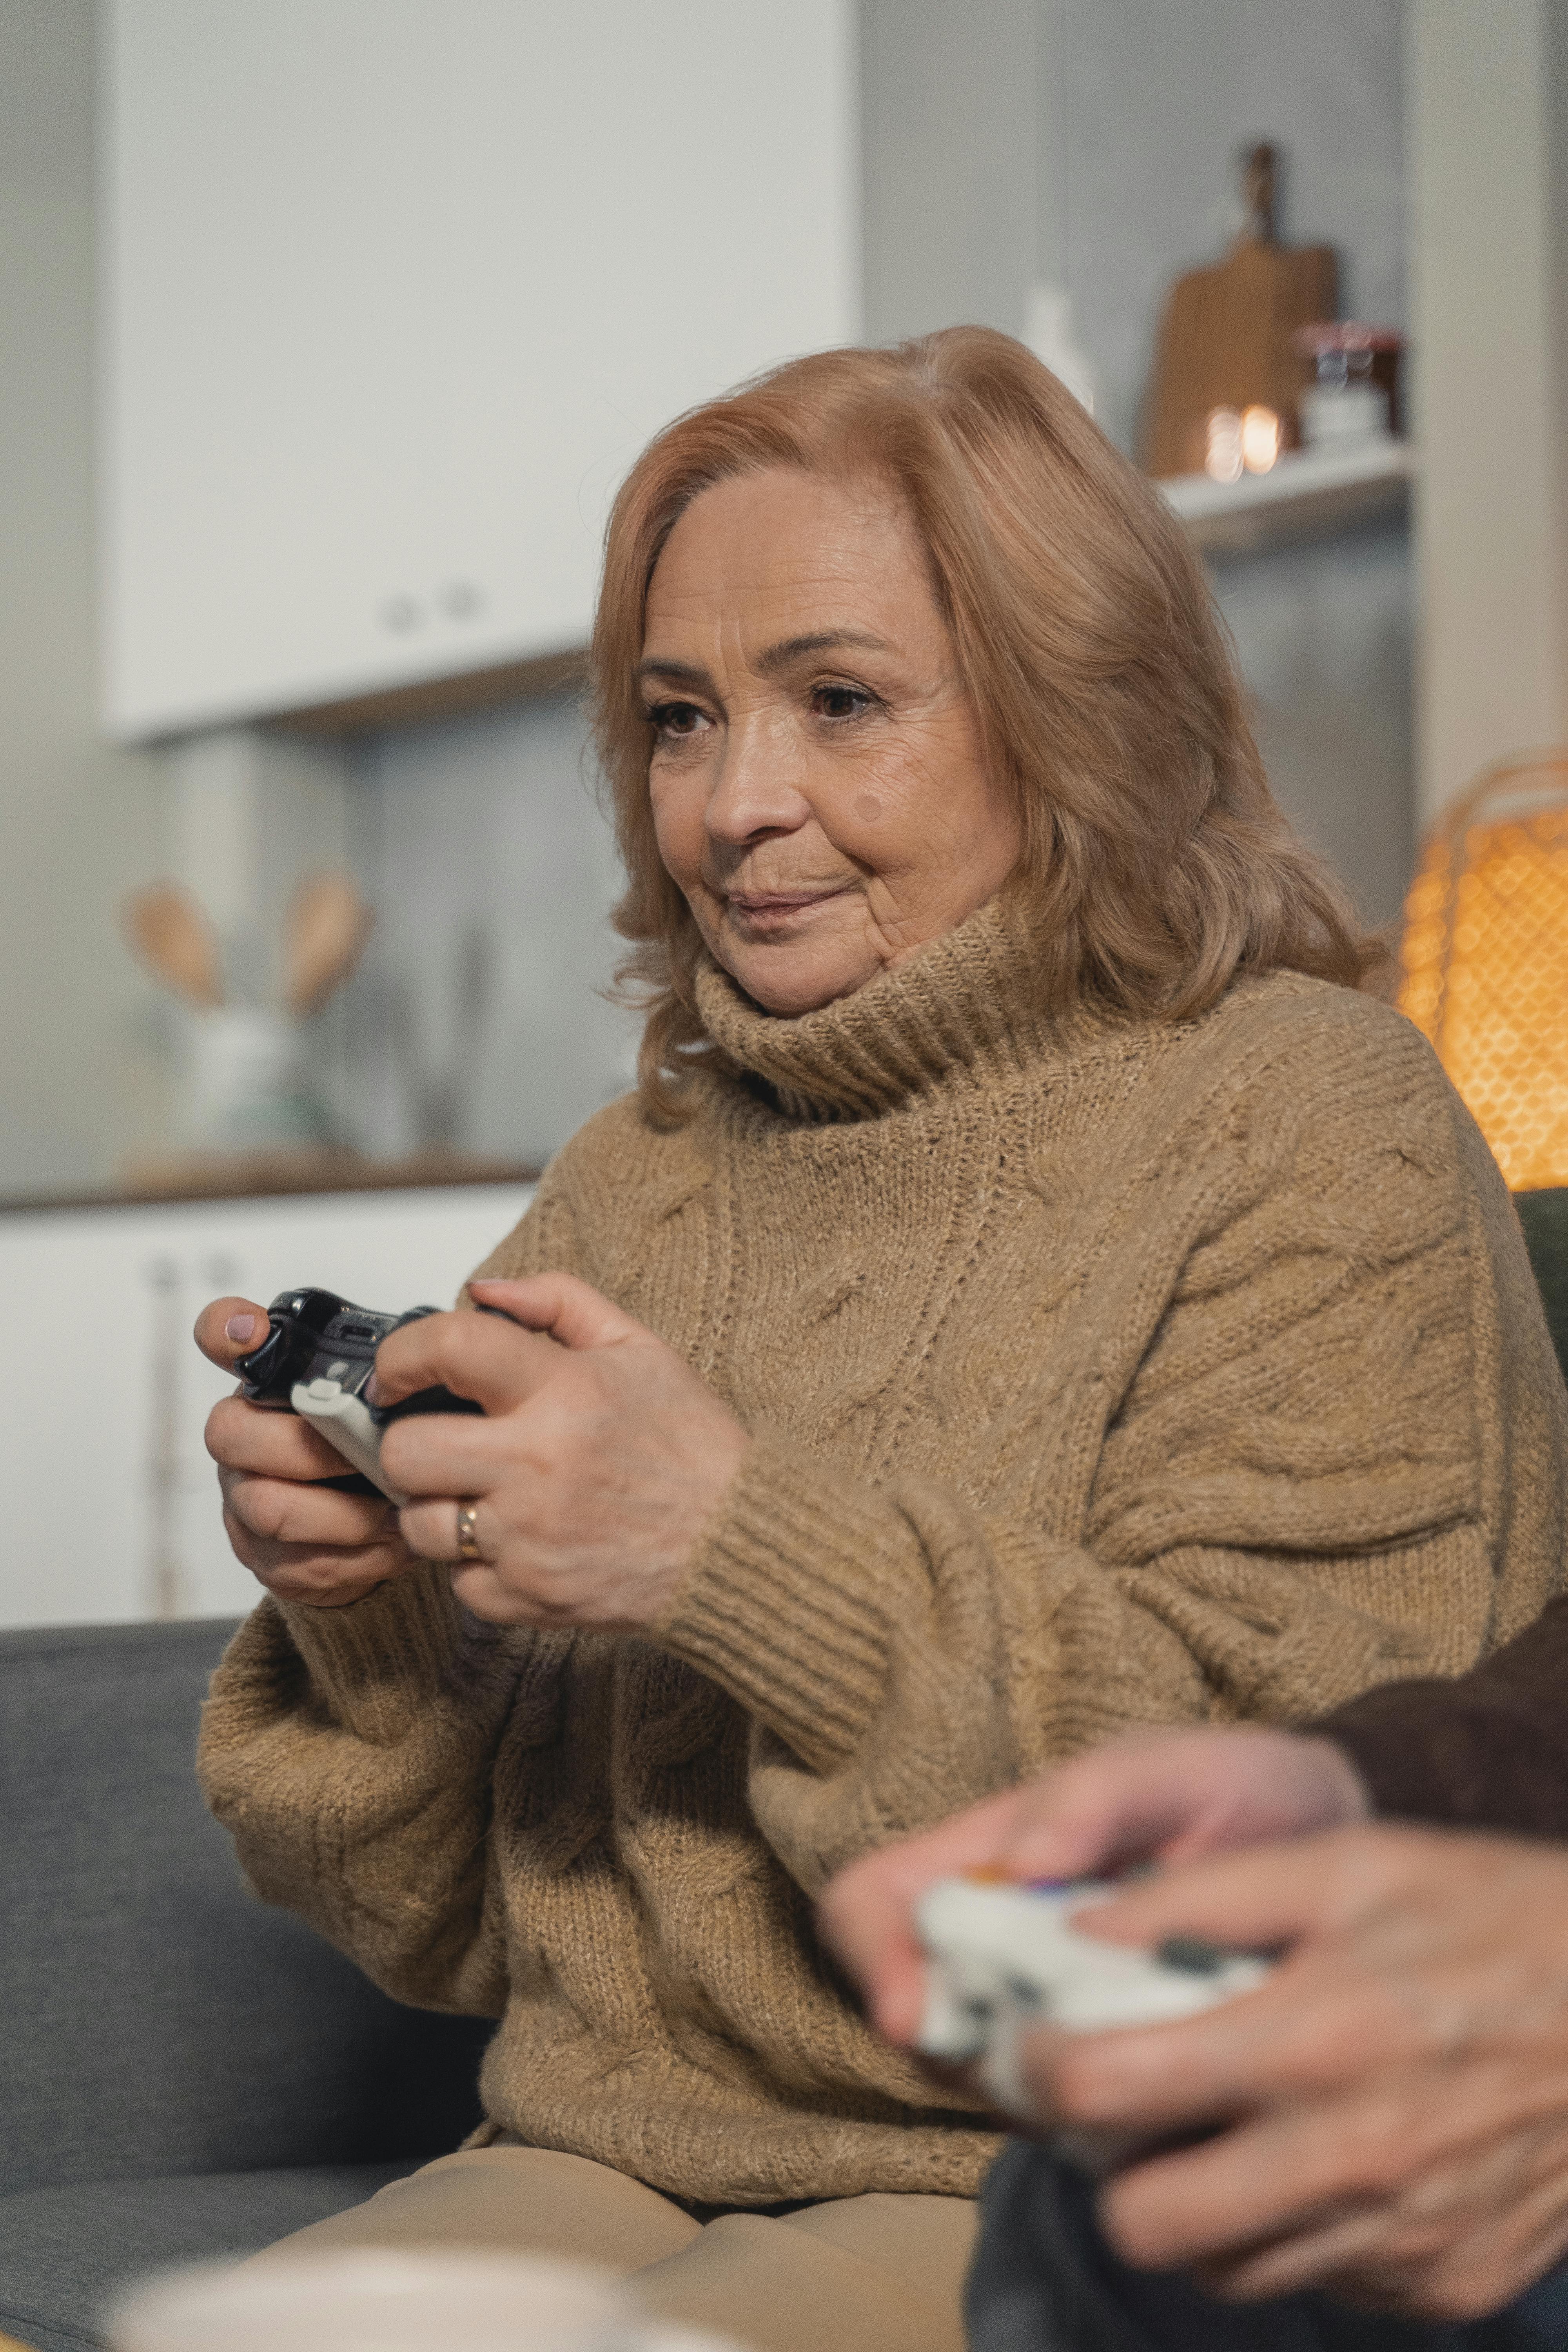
(316, 1360)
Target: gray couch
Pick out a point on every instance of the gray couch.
(182, 2073)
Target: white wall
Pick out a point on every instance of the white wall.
(80, 1077)
(1488, 176)
(950, 111)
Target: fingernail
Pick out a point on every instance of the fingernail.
(371, 1390)
(239, 1327)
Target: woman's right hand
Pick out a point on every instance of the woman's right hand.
(301, 1540)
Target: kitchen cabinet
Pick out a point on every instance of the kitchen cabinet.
(394, 292)
(111, 1501)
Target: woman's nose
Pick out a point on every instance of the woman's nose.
(757, 790)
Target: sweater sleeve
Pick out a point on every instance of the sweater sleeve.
(1337, 1460)
(351, 1753)
(1487, 1752)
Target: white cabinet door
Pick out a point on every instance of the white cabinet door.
(112, 1507)
(397, 290)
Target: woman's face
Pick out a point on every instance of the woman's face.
(819, 791)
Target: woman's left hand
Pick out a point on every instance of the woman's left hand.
(600, 1458)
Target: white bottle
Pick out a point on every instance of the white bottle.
(1049, 333)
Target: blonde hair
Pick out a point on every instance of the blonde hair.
(1159, 862)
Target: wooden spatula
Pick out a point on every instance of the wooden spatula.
(169, 933)
(327, 927)
(1225, 340)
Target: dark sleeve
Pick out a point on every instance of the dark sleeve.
(1487, 1752)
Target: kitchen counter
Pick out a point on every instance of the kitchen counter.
(273, 1175)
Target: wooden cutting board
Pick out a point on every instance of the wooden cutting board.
(1225, 339)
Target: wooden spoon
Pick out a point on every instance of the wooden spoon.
(327, 927)
(172, 937)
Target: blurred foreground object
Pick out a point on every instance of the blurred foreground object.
(376, 2300)
(1225, 340)
(1484, 960)
(246, 1088)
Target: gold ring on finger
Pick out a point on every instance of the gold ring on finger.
(467, 1541)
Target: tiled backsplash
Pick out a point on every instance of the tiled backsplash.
(479, 1018)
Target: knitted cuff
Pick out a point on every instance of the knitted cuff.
(790, 1594)
(1435, 1752)
(380, 1660)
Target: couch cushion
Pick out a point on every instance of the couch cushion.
(158, 2018)
(65, 2252)
(1544, 1216)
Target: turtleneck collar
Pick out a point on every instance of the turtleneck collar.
(968, 1001)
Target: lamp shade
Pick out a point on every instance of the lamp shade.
(1484, 961)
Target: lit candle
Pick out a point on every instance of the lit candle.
(1259, 439)
(1222, 457)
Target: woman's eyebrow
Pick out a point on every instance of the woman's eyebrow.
(819, 641)
(777, 657)
(684, 673)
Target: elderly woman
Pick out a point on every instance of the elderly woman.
(1031, 1294)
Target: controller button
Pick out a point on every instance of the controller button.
(323, 1390)
(1193, 1955)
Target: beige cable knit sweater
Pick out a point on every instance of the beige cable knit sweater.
(1099, 1374)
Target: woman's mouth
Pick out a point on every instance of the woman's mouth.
(770, 911)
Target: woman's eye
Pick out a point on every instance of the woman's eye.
(675, 720)
(839, 701)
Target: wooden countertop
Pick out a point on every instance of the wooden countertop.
(273, 1175)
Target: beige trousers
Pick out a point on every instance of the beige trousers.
(856, 2274)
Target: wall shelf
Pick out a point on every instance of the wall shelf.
(1310, 492)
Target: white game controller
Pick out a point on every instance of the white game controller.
(1003, 1958)
(344, 1420)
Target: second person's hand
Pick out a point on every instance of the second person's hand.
(1396, 2096)
(1151, 1796)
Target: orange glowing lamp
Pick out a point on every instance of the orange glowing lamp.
(1484, 959)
